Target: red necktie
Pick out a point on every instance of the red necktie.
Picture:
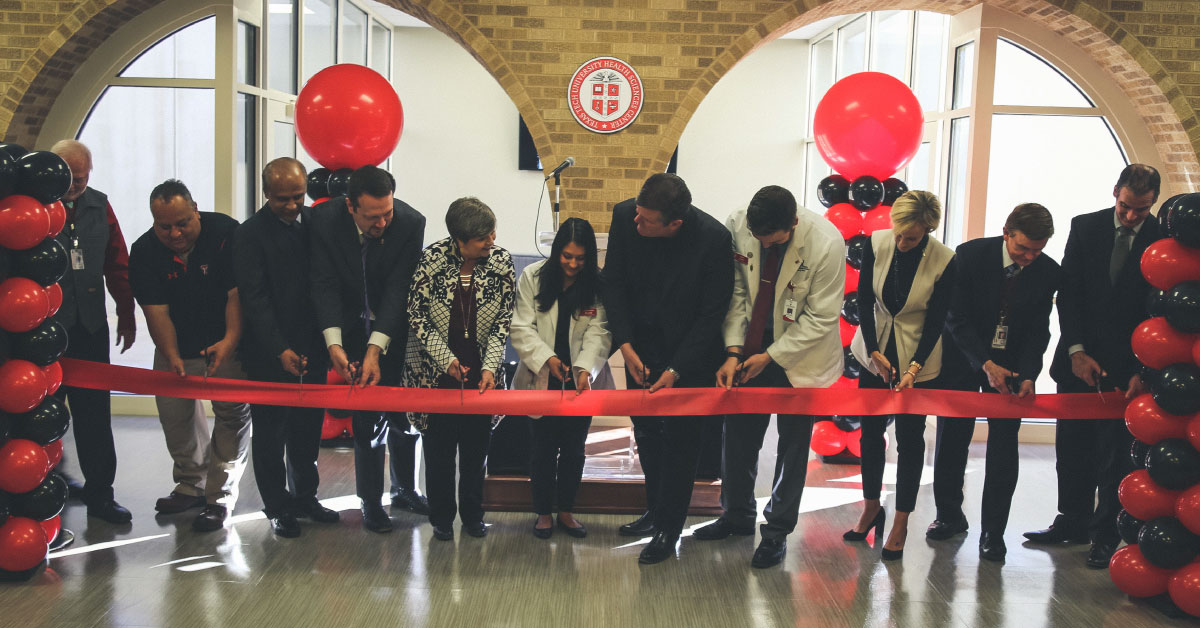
(762, 302)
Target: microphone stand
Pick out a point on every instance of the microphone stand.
(557, 194)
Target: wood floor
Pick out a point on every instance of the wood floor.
(157, 572)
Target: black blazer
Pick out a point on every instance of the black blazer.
(271, 266)
(337, 274)
(687, 294)
(1094, 312)
(975, 312)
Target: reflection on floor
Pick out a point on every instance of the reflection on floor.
(157, 572)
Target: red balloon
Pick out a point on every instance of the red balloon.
(23, 304)
(1158, 345)
(53, 374)
(320, 200)
(868, 123)
(58, 217)
(51, 527)
(846, 218)
(845, 383)
(1168, 262)
(828, 439)
(1187, 509)
(1136, 576)
(23, 544)
(854, 443)
(1149, 424)
(54, 452)
(22, 386)
(851, 280)
(24, 222)
(876, 219)
(23, 465)
(54, 297)
(348, 116)
(1184, 587)
(847, 331)
(331, 427)
(1144, 498)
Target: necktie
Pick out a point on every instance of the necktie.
(762, 302)
(1120, 252)
(366, 242)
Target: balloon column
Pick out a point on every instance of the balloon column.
(1161, 498)
(32, 420)
(868, 126)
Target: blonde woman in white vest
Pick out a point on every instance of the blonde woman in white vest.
(906, 280)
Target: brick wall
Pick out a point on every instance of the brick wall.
(680, 48)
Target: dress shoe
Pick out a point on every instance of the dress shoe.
(178, 502)
(542, 533)
(578, 531)
(770, 552)
(720, 529)
(375, 519)
(941, 530)
(443, 533)
(312, 509)
(211, 519)
(991, 547)
(285, 526)
(64, 539)
(477, 529)
(110, 511)
(74, 487)
(876, 523)
(410, 500)
(661, 547)
(1100, 555)
(643, 526)
(1059, 532)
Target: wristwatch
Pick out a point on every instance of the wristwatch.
(672, 371)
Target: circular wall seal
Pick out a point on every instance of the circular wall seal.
(605, 95)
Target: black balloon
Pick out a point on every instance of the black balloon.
(866, 193)
(1137, 454)
(1155, 304)
(850, 307)
(45, 263)
(851, 369)
(1181, 305)
(43, 502)
(1177, 390)
(833, 190)
(1129, 526)
(5, 507)
(339, 182)
(1164, 214)
(16, 151)
(44, 424)
(1167, 544)
(41, 345)
(847, 423)
(1149, 376)
(43, 175)
(1184, 220)
(8, 174)
(318, 183)
(1173, 464)
(893, 189)
(855, 248)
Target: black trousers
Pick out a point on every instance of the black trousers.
(556, 461)
(743, 438)
(910, 449)
(1002, 466)
(1093, 458)
(284, 448)
(370, 442)
(468, 436)
(402, 443)
(91, 418)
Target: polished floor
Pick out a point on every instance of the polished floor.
(157, 572)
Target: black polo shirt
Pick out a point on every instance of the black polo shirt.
(196, 292)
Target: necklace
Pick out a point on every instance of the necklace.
(466, 300)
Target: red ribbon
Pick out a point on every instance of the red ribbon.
(673, 401)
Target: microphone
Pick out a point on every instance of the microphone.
(569, 161)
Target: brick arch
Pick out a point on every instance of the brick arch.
(53, 62)
(1143, 79)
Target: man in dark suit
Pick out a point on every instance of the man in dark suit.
(364, 251)
(1101, 301)
(997, 329)
(281, 343)
(668, 282)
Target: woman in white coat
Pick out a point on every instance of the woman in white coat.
(560, 334)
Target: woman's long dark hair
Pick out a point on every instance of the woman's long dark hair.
(550, 277)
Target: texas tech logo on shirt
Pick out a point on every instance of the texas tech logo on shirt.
(605, 95)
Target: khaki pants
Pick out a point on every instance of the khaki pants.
(205, 465)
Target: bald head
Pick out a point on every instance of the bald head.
(285, 183)
(79, 160)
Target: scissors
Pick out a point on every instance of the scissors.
(1100, 392)
(645, 382)
(563, 394)
(895, 380)
(737, 372)
(303, 365)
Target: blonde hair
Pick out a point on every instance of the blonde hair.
(916, 207)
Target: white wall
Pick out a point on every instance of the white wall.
(748, 131)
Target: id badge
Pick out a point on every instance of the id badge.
(76, 259)
(789, 310)
(1000, 339)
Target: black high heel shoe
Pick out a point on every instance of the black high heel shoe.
(892, 554)
(876, 523)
